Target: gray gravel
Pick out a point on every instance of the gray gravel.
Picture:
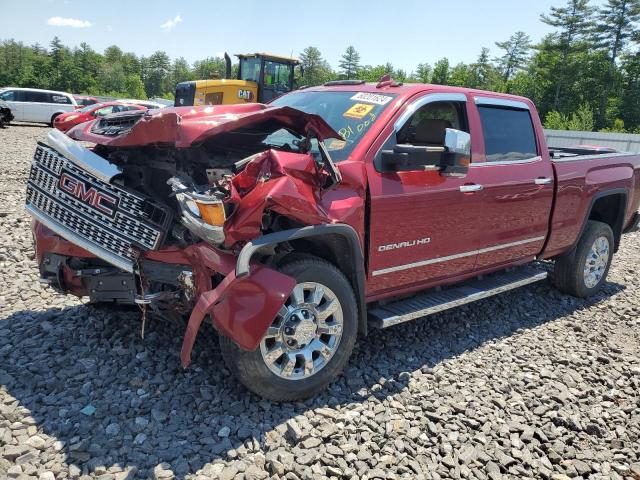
(531, 384)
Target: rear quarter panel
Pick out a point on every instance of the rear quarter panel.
(578, 182)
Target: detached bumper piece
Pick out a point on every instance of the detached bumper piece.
(104, 219)
(241, 308)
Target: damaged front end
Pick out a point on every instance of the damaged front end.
(157, 210)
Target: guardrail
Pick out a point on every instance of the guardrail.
(624, 142)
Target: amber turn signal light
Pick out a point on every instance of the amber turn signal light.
(212, 213)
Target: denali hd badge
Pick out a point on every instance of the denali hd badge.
(101, 201)
(410, 243)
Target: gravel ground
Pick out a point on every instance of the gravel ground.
(531, 384)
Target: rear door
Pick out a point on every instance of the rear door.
(516, 184)
(36, 106)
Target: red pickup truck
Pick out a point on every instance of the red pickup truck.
(296, 226)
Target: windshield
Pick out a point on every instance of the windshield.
(89, 108)
(351, 114)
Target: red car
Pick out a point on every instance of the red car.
(85, 101)
(295, 227)
(70, 119)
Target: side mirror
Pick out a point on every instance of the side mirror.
(405, 158)
(457, 158)
(452, 158)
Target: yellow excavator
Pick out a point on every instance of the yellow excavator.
(261, 78)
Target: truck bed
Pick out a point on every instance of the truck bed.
(582, 175)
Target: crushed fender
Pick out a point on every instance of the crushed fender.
(240, 308)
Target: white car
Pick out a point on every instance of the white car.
(35, 105)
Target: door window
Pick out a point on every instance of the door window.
(427, 128)
(35, 97)
(508, 134)
(428, 125)
(276, 75)
(249, 69)
(61, 99)
(8, 96)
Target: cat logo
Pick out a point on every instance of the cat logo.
(245, 95)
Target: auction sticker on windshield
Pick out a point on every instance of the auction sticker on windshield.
(358, 110)
(372, 98)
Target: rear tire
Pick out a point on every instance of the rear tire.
(316, 345)
(583, 271)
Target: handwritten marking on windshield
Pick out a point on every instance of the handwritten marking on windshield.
(351, 130)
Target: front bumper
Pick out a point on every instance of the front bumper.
(242, 308)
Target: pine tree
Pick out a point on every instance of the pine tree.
(482, 71)
(316, 68)
(350, 62)
(615, 25)
(574, 23)
(516, 53)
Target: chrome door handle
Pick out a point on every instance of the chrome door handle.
(470, 188)
(543, 181)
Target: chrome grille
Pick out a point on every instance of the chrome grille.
(120, 235)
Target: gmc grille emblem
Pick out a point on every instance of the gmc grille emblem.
(103, 202)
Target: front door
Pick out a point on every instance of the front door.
(424, 227)
(276, 80)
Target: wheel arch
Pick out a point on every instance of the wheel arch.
(336, 243)
(610, 207)
(54, 115)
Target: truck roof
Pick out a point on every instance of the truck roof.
(407, 90)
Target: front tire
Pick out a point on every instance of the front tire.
(310, 340)
(53, 119)
(582, 272)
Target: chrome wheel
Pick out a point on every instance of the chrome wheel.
(305, 334)
(597, 261)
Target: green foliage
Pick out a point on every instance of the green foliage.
(316, 69)
(580, 120)
(423, 73)
(516, 52)
(585, 75)
(556, 121)
(441, 72)
(617, 127)
(350, 63)
(615, 25)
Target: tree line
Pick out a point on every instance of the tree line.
(585, 75)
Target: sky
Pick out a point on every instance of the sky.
(405, 33)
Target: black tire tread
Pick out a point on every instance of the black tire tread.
(568, 269)
(243, 367)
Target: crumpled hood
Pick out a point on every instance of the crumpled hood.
(184, 127)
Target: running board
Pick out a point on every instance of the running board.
(412, 308)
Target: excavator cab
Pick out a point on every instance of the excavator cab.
(261, 78)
